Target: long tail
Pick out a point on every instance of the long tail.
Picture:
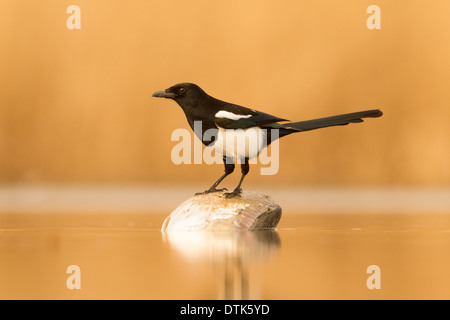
(339, 120)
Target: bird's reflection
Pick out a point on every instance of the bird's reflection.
(233, 252)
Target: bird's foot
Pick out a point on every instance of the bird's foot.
(211, 190)
(236, 192)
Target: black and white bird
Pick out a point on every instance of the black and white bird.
(231, 120)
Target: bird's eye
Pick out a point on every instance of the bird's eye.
(181, 91)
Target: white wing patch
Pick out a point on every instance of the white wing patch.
(240, 143)
(231, 116)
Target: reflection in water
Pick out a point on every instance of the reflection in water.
(231, 252)
(323, 256)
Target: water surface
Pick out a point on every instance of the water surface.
(309, 256)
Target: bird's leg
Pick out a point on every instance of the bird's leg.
(245, 168)
(229, 168)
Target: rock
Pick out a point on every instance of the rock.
(249, 211)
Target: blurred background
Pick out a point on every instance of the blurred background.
(76, 105)
(79, 131)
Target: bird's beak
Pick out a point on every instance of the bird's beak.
(163, 94)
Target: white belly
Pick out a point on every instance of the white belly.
(240, 143)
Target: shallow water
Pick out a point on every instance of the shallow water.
(309, 256)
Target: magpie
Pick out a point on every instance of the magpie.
(228, 119)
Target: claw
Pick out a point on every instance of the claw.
(236, 192)
(211, 191)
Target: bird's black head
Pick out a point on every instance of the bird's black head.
(187, 95)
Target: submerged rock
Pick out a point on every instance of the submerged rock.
(213, 211)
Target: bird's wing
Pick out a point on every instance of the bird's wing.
(238, 117)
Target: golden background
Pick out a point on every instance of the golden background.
(76, 109)
(76, 106)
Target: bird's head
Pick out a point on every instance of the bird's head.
(185, 94)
